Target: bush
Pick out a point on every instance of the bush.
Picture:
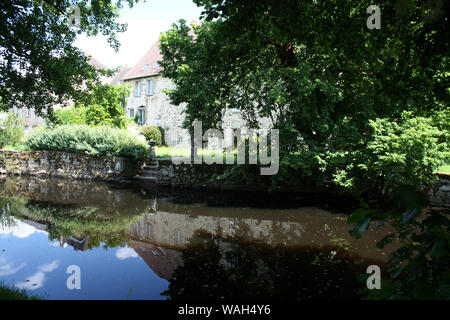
(152, 133)
(407, 151)
(11, 130)
(96, 141)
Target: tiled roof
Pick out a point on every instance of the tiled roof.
(119, 76)
(147, 66)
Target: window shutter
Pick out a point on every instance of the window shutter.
(138, 89)
(150, 87)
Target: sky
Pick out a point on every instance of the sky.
(145, 21)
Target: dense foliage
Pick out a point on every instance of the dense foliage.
(153, 133)
(336, 90)
(11, 130)
(420, 267)
(96, 141)
(103, 105)
(72, 115)
(40, 65)
(365, 109)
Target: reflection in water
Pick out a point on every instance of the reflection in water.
(227, 270)
(202, 246)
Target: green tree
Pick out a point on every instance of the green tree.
(320, 75)
(73, 115)
(11, 129)
(105, 105)
(40, 65)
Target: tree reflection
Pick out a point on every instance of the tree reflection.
(217, 269)
(72, 224)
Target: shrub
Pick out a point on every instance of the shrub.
(96, 141)
(152, 133)
(407, 151)
(11, 130)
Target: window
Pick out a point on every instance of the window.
(28, 112)
(149, 87)
(138, 228)
(156, 66)
(149, 229)
(178, 236)
(131, 112)
(141, 114)
(179, 139)
(137, 89)
(145, 67)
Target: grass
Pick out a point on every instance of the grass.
(445, 168)
(11, 293)
(167, 152)
(18, 147)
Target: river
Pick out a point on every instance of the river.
(134, 241)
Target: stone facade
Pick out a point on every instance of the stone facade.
(67, 165)
(149, 102)
(154, 109)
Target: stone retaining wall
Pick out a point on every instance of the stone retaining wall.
(67, 165)
(439, 194)
(186, 175)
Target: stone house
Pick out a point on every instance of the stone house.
(151, 105)
(148, 101)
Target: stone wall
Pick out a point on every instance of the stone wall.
(186, 175)
(67, 165)
(439, 194)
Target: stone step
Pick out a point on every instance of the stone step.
(151, 165)
(146, 178)
(147, 168)
(147, 174)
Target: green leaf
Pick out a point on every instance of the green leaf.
(439, 249)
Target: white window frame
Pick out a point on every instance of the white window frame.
(137, 89)
(141, 113)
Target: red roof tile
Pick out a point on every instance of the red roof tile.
(146, 66)
(119, 76)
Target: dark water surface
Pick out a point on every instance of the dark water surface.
(135, 242)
